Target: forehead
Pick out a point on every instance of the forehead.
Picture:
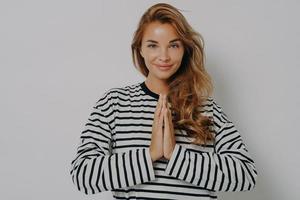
(159, 32)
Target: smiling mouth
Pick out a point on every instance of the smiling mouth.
(164, 67)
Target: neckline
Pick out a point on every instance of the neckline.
(148, 91)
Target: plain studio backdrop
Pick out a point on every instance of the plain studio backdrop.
(58, 57)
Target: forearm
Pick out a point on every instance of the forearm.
(106, 172)
(211, 171)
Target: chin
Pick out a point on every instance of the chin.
(164, 76)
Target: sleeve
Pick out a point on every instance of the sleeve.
(94, 168)
(228, 168)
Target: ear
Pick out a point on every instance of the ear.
(141, 53)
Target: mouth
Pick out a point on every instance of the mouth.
(164, 67)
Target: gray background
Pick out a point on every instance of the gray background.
(58, 57)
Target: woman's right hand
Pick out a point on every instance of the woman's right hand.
(156, 146)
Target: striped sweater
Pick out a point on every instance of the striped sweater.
(113, 153)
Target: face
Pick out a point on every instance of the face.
(162, 50)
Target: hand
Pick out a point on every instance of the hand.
(156, 146)
(168, 133)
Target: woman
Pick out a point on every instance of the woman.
(166, 137)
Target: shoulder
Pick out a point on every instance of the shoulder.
(114, 94)
(215, 111)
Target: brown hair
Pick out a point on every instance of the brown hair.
(191, 85)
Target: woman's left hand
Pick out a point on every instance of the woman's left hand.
(169, 135)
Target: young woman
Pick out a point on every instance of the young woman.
(165, 137)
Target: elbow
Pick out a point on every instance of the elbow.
(246, 179)
(82, 184)
(75, 182)
(82, 188)
(251, 181)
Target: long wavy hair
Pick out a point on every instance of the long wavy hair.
(191, 85)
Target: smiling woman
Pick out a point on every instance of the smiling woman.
(165, 137)
(161, 52)
(187, 83)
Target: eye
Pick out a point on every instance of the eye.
(151, 45)
(175, 46)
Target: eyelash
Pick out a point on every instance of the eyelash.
(153, 45)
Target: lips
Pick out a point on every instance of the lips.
(164, 67)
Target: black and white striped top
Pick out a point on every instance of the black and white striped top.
(113, 153)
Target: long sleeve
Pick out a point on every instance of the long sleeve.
(228, 168)
(95, 168)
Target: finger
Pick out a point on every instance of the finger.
(162, 103)
(169, 111)
(161, 119)
(166, 119)
(170, 118)
(169, 114)
(158, 106)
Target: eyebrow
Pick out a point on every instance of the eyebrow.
(174, 40)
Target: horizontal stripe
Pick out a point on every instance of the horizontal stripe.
(113, 152)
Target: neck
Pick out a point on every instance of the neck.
(157, 86)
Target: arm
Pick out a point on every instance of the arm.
(229, 168)
(94, 168)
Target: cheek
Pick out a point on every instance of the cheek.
(149, 59)
(177, 56)
(148, 55)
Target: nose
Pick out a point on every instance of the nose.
(164, 55)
